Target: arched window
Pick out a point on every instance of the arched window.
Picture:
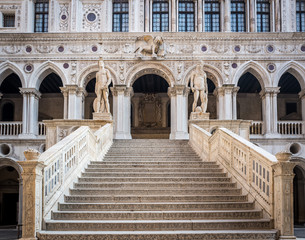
(212, 16)
(8, 112)
(120, 16)
(41, 15)
(160, 16)
(263, 16)
(238, 16)
(300, 14)
(186, 16)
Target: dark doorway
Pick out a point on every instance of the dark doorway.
(150, 104)
(8, 110)
(299, 196)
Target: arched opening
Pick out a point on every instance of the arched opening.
(249, 103)
(288, 101)
(9, 196)
(212, 109)
(150, 108)
(299, 196)
(11, 101)
(90, 88)
(51, 103)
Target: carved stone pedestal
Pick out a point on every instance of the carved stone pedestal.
(199, 116)
(102, 116)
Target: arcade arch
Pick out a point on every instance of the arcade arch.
(249, 104)
(11, 100)
(51, 103)
(150, 106)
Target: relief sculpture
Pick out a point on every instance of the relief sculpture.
(149, 46)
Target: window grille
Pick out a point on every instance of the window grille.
(238, 16)
(160, 21)
(186, 16)
(41, 15)
(120, 16)
(300, 14)
(212, 15)
(263, 16)
(8, 20)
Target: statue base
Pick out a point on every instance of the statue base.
(102, 116)
(199, 116)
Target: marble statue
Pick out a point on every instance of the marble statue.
(148, 45)
(103, 79)
(199, 87)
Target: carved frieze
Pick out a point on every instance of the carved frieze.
(91, 17)
(64, 17)
(11, 49)
(44, 48)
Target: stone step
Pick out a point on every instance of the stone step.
(152, 198)
(156, 170)
(156, 225)
(151, 174)
(153, 186)
(154, 179)
(155, 163)
(145, 165)
(155, 155)
(148, 159)
(160, 235)
(169, 206)
(193, 191)
(157, 215)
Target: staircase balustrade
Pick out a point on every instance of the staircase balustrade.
(255, 169)
(56, 169)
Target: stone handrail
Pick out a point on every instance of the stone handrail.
(55, 170)
(260, 174)
(290, 127)
(10, 128)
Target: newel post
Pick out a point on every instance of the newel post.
(32, 194)
(283, 195)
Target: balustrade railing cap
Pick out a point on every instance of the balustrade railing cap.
(31, 154)
(283, 156)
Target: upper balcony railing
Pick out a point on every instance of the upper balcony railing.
(14, 129)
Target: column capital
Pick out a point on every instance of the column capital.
(30, 91)
(122, 89)
(178, 90)
(269, 91)
(225, 89)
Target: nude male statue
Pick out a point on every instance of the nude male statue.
(199, 87)
(103, 79)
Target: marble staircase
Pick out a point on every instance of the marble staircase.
(155, 189)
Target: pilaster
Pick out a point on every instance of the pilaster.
(32, 194)
(283, 195)
(146, 11)
(121, 111)
(30, 112)
(227, 15)
(200, 23)
(252, 15)
(288, 15)
(179, 111)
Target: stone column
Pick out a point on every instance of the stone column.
(64, 92)
(226, 101)
(252, 15)
(146, 9)
(136, 111)
(20, 201)
(32, 194)
(227, 14)
(200, 16)
(179, 112)
(234, 95)
(30, 112)
(173, 18)
(269, 101)
(121, 111)
(302, 97)
(283, 195)
(73, 101)
(164, 111)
